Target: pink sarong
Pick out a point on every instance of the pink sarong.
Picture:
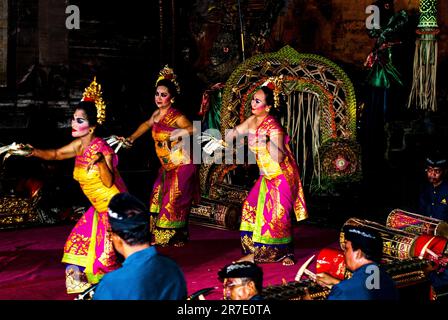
(89, 243)
(266, 228)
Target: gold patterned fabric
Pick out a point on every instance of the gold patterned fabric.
(266, 226)
(170, 153)
(176, 186)
(89, 245)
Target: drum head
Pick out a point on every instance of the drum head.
(442, 229)
(331, 261)
(434, 243)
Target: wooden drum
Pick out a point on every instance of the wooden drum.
(331, 261)
(397, 244)
(416, 223)
(214, 212)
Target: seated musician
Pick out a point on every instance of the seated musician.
(363, 249)
(434, 196)
(145, 274)
(438, 277)
(241, 280)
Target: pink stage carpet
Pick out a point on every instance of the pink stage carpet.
(30, 267)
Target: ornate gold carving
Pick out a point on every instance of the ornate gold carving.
(15, 210)
(168, 74)
(229, 192)
(93, 93)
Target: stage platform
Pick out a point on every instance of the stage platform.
(31, 268)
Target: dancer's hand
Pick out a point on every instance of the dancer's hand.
(128, 142)
(98, 157)
(29, 148)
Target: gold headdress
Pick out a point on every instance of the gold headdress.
(168, 73)
(275, 84)
(93, 93)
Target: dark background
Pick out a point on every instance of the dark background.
(125, 44)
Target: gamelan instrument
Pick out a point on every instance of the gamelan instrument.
(217, 213)
(408, 276)
(416, 223)
(397, 244)
(400, 244)
(332, 261)
(296, 290)
(196, 295)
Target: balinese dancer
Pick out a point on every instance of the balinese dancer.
(176, 186)
(266, 225)
(88, 249)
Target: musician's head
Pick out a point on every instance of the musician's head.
(361, 246)
(436, 165)
(129, 221)
(241, 280)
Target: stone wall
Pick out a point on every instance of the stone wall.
(123, 47)
(336, 28)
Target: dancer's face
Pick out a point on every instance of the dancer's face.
(80, 124)
(162, 97)
(258, 104)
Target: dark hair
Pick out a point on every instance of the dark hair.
(169, 85)
(129, 219)
(243, 269)
(90, 110)
(436, 159)
(367, 240)
(269, 95)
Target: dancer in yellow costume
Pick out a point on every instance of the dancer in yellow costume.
(88, 249)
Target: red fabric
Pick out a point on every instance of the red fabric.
(331, 261)
(31, 268)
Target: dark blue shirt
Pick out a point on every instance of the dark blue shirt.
(439, 280)
(356, 288)
(433, 201)
(145, 275)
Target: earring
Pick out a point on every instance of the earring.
(91, 130)
(172, 100)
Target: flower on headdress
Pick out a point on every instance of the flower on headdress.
(271, 85)
(93, 93)
(168, 73)
(275, 84)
